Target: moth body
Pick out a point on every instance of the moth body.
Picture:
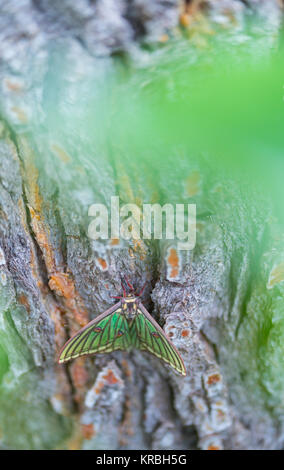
(129, 306)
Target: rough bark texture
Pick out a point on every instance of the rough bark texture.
(53, 279)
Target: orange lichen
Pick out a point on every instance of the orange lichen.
(140, 247)
(40, 230)
(114, 241)
(64, 286)
(214, 378)
(88, 431)
(13, 86)
(60, 283)
(102, 262)
(185, 333)
(213, 447)
(110, 378)
(173, 261)
(22, 299)
(79, 373)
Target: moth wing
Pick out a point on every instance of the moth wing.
(147, 335)
(106, 333)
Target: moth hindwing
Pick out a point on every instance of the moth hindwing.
(124, 326)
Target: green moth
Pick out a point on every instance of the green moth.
(124, 326)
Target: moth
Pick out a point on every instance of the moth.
(125, 325)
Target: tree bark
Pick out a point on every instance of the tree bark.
(55, 161)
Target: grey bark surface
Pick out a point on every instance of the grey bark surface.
(53, 279)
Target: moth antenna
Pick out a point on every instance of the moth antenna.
(128, 283)
(123, 288)
(142, 290)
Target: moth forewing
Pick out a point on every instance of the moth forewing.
(74, 346)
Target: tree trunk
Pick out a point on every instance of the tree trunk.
(71, 135)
